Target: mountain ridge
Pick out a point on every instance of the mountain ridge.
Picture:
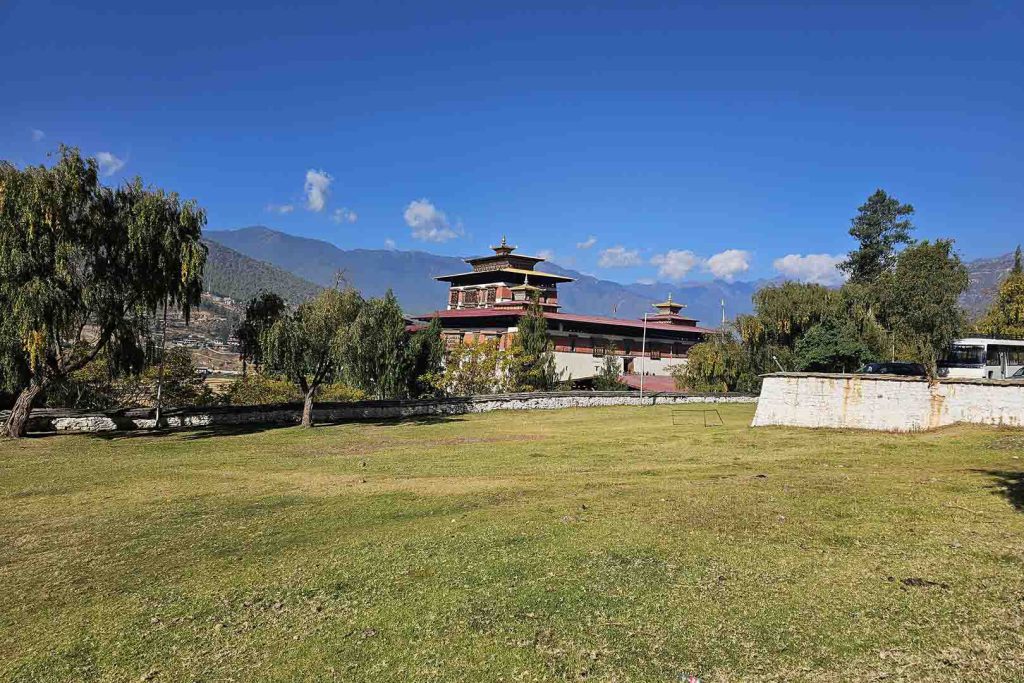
(410, 274)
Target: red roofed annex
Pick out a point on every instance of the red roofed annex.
(487, 301)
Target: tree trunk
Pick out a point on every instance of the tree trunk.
(307, 409)
(17, 423)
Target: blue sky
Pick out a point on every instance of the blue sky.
(630, 140)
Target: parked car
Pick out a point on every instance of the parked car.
(1017, 376)
(894, 368)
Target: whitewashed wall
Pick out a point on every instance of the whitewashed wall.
(586, 365)
(897, 404)
(290, 413)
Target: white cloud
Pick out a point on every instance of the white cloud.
(675, 264)
(619, 257)
(318, 187)
(587, 243)
(389, 243)
(729, 263)
(280, 208)
(37, 135)
(819, 268)
(109, 164)
(429, 223)
(344, 215)
(546, 254)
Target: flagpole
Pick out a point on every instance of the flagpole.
(643, 360)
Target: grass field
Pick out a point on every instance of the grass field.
(595, 544)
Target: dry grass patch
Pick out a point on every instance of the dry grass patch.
(601, 544)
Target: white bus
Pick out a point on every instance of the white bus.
(983, 357)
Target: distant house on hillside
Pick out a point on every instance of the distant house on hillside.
(487, 301)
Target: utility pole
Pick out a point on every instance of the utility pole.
(160, 378)
(643, 359)
(723, 314)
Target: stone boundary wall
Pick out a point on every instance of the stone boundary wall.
(50, 420)
(886, 402)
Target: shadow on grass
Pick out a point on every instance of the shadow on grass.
(1008, 484)
(189, 433)
(395, 421)
(214, 431)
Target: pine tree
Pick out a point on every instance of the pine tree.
(534, 369)
(881, 224)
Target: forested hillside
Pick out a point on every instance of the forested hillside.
(235, 275)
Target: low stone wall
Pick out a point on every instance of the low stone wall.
(883, 402)
(44, 420)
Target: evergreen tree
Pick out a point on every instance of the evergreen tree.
(426, 360)
(534, 368)
(608, 377)
(1005, 317)
(832, 346)
(881, 225)
(83, 268)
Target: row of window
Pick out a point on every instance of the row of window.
(473, 297)
(627, 347)
(977, 355)
(1014, 354)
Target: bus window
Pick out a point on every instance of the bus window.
(965, 355)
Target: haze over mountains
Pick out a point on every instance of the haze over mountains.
(243, 261)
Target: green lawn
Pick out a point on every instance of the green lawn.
(599, 544)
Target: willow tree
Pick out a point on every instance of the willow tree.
(376, 354)
(83, 268)
(1005, 317)
(308, 345)
(262, 311)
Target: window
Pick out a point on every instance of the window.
(492, 294)
(1014, 354)
(452, 340)
(572, 343)
(453, 298)
(655, 352)
(627, 346)
(600, 347)
(470, 297)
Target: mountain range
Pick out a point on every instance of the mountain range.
(245, 260)
(410, 275)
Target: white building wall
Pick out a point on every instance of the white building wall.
(896, 404)
(585, 365)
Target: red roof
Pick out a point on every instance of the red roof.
(651, 382)
(565, 317)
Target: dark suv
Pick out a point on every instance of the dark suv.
(894, 368)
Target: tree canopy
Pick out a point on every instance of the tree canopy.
(1005, 317)
(83, 266)
(534, 366)
(262, 311)
(882, 223)
(920, 301)
(308, 345)
(376, 355)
